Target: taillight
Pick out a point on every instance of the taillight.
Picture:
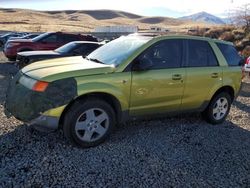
(40, 86)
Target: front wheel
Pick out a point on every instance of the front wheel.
(89, 123)
(218, 108)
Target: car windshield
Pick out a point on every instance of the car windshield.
(116, 51)
(66, 48)
(39, 37)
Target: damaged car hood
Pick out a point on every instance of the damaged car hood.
(55, 69)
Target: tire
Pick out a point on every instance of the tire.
(86, 131)
(218, 108)
(1, 44)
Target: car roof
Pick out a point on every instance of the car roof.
(85, 42)
(195, 38)
(176, 36)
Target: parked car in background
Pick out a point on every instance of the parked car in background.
(46, 41)
(76, 48)
(247, 65)
(132, 76)
(4, 38)
(28, 36)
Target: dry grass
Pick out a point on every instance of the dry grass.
(82, 21)
(2, 57)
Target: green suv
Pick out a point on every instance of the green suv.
(130, 77)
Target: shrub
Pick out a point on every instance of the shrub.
(214, 33)
(228, 36)
(239, 34)
(246, 51)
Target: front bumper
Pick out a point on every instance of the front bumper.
(22, 61)
(9, 53)
(29, 106)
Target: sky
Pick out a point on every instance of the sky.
(170, 8)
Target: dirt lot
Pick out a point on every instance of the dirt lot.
(182, 151)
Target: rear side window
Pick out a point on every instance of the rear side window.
(230, 54)
(50, 39)
(70, 38)
(200, 54)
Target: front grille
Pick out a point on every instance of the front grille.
(22, 61)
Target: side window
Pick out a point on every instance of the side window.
(80, 49)
(69, 38)
(50, 39)
(200, 54)
(230, 53)
(164, 54)
(61, 38)
(85, 49)
(92, 47)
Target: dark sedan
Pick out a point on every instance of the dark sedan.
(76, 48)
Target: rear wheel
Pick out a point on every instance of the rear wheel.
(218, 108)
(89, 123)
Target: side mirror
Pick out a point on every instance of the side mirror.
(142, 64)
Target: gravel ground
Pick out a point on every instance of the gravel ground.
(181, 151)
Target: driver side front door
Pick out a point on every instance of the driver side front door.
(160, 88)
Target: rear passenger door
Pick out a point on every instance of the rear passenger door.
(204, 75)
(160, 88)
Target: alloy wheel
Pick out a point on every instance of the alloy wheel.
(92, 124)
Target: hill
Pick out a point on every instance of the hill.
(80, 20)
(204, 17)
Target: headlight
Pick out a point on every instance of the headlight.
(10, 45)
(33, 84)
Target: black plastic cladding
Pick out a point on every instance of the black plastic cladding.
(27, 105)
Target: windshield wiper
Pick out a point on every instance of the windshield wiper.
(95, 60)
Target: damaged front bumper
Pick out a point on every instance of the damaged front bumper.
(31, 106)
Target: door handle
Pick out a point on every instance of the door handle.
(215, 75)
(176, 77)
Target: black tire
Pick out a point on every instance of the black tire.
(1, 44)
(77, 111)
(211, 110)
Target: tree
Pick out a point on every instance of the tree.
(242, 17)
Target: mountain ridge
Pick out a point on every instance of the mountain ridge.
(82, 20)
(203, 17)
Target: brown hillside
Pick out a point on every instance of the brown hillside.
(79, 20)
